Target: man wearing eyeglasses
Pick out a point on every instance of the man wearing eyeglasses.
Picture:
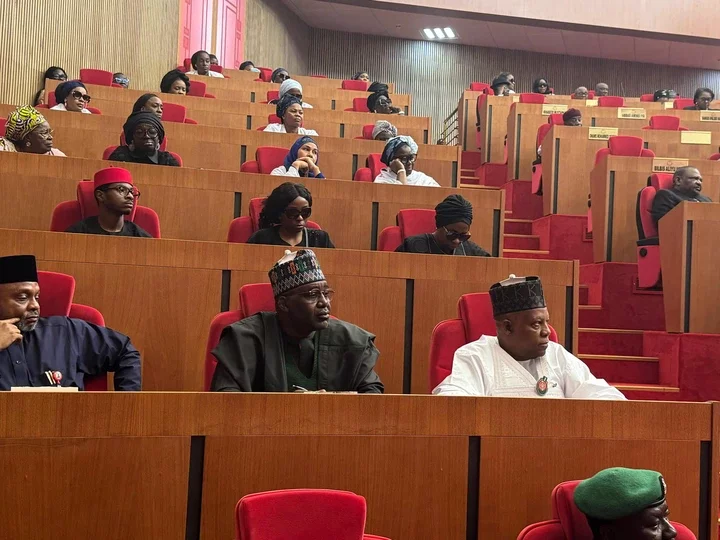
(116, 196)
(299, 347)
(453, 218)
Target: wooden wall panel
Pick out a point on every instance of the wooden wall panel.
(138, 38)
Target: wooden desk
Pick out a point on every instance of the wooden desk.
(178, 286)
(688, 119)
(463, 474)
(467, 118)
(614, 186)
(319, 82)
(569, 156)
(689, 236)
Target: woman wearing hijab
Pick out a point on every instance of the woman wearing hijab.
(541, 86)
(302, 160)
(380, 103)
(53, 72)
(26, 130)
(71, 96)
(144, 132)
(283, 219)
(661, 96)
(149, 103)
(290, 112)
(361, 76)
(201, 63)
(399, 155)
(279, 75)
(384, 131)
(175, 82)
(293, 88)
(453, 218)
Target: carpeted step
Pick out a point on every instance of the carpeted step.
(520, 241)
(525, 254)
(623, 369)
(519, 199)
(653, 392)
(518, 226)
(610, 341)
(470, 160)
(583, 294)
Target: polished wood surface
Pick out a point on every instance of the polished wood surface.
(614, 187)
(689, 236)
(411, 457)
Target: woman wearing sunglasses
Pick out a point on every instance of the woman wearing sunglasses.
(71, 96)
(283, 220)
(144, 134)
(302, 160)
(399, 155)
(453, 218)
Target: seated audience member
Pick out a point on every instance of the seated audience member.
(510, 79)
(380, 103)
(687, 185)
(662, 96)
(43, 351)
(149, 103)
(521, 361)
(602, 89)
(541, 86)
(453, 218)
(121, 79)
(501, 86)
(279, 76)
(702, 99)
(581, 92)
(175, 82)
(289, 110)
(200, 62)
(26, 130)
(214, 60)
(54, 73)
(143, 134)
(115, 195)
(384, 131)
(247, 65)
(293, 88)
(299, 347)
(71, 96)
(628, 504)
(302, 160)
(572, 117)
(399, 155)
(283, 219)
(378, 87)
(361, 76)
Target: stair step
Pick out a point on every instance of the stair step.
(645, 388)
(590, 307)
(609, 330)
(475, 186)
(521, 241)
(618, 358)
(606, 341)
(525, 254)
(518, 226)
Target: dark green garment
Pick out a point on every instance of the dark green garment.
(301, 363)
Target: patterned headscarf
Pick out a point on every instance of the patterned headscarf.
(287, 85)
(284, 104)
(293, 153)
(392, 146)
(21, 122)
(383, 126)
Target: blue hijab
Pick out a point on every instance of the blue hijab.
(284, 104)
(293, 153)
(62, 91)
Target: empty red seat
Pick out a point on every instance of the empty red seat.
(96, 76)
(532, 98)
(480, 87)
(681, 103)
(360, 86)
(265, 73)
(218, 68)
(611, 101)
(367, 132)
(359, 105)
(648, 244)
(267, 158)
(624, 145)
(272, 95)
(372, 168)
(665, 123)
(172, 112)
(197, 89)
(647, 97)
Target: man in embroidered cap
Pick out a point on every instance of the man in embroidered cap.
(453, 218)
(299, 346)
(116, 197)
(521, 361)
(31, 345)
(625, 504)
(572, 117)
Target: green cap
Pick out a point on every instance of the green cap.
(619, 492)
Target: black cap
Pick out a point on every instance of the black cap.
(517, 294)
(18, 269)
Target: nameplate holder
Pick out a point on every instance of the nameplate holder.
(667, 165)
(591, 102)
(601, 133)
(553, 108)
(668, 104)
(710, 116)
(515, 98)
(696, 137)
(631, 114)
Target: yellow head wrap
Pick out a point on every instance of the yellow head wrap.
(21, 122)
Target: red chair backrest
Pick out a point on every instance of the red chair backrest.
(197, 89)
(172, 112)
(611, 101)
(255, 207)
(624, 145)
(681, 103)
(270, 157)
(360, 104)
(556, 119)
(360, 86)
(216, 327)
(272, 95)
(374, 164)
(187, 63)
(544, 530)
(274, 119)
(541, 132)
(368, 131)
(256, 297)
(446, 338)
(57, 292)
(216, 67)
(591, 94)
(647, 97)
(656, 182)
(96, 76)
(389, 239)
(363, 174)
(320, 514)
(662, 122)
(480, 87)
(715, 156)
(265, 73)
(532, 98)
(661, 180)
(413, 221)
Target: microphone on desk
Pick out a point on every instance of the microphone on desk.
(50, 378)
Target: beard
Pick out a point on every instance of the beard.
(24, 326)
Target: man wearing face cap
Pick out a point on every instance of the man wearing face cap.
(521, 361)
(299, 347)
(453, 218)
(31, 346)
(144, 132)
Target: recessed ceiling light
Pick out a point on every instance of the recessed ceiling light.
(439, 33)
(449, 33)
(429, 33)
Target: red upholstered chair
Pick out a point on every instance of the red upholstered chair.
(532, 98)
(480, 87)
(197, 89)
(411, 221)
(67, 213)
(390, 238)
(536, 180)
(217, 67)
(372, 168)
(665, 123)
(172, 112)
(611, 101)
(715, 156)
(256, 297)
(301, 514)
(94, 110)
(275, 119)
(266, 159)
(187, 64)
(360, 105)
(96, 76)
(591, 94)
(265, 73)
(51, 101)
(681, 103)
(624, 145)
(573, 521)
(475, 320)
(163, 145)
(647, 97)
(363, 174)
(556, 119)
(272, 95)
(359, 86)
(367, 132)
(544, 530)
(110, 149)
(648, 244)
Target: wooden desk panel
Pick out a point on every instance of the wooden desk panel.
(467, 118)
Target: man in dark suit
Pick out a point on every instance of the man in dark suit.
(687, 185)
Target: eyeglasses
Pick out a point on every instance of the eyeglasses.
(125, 191)
(294, 213)
(45, 134)
(313, 295)
(121, 80)
(407, 159)
(79, 95)
(142, 133)
(452, 235)
(542, 84)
